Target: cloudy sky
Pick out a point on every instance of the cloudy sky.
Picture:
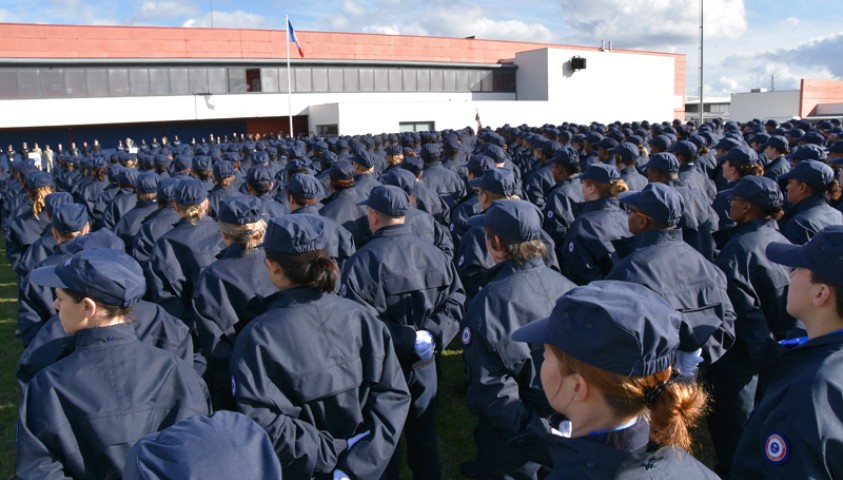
(747, 41)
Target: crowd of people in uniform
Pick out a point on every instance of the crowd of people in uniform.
(266, 306)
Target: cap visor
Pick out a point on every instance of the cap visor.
(477, 182)
(478, 220)
(364, 203)
(630, 198)
(537, 331)
(786, 176)
(786, 254)
(729, 192)
(47, 277)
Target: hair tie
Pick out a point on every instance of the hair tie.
(652, 394)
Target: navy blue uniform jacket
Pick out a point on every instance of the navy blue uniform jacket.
(411, 285)
(797, 429)
(665, 264)
(314, 370)
(81, 415)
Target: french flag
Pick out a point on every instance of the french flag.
(293, 38)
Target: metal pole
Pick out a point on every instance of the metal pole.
(289, 76)
(702, 104)
(211, 2)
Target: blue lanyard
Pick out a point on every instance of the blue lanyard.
(799, 341)
(616, 429)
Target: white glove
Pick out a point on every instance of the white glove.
(360, 436)
(424, 345)
(565, 429)
(340, 475)
(688, 363)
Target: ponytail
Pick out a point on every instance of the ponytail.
(618, 188)
(313, 268)
(675, 411)
(39, 196)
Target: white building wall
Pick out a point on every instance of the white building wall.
(614, 86)
(779, 105)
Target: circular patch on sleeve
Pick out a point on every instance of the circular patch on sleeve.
(233, 387)
(461, 261)
(571, 247)
(452, 227)
(549, 214)
(466, 336)
(776, 449)
(343, 290)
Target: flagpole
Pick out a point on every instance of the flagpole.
(289, 76)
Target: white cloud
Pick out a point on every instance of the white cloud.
(7, 16)
(659, 24)
(790, 22)
(81, 12)
(235, 19)
(353, 8)
(461, 20)
(165, 9)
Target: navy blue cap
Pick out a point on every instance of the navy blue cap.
(224, 445)
(260, 176)
(41, 179)
(393, 150)
(69, 217)
(728, 143)
(813, 138)
(430, 151)
(601, 173)
(240, 210)
(398, 177)
(167, 189)
(327, 157)
(593, 138)
(413, 164)
(661, 141)
(778, 142)
(497, 180)
(223, 169)
(182, 163)
(364, 159)
(388, 200)
(190, 191)
(685, 147)
(812, 172)
(297, 165)
(294, 235)
(147, 182)
(761, 191)
(517, 220)
(109, 277)
(740, 155)
(836, 147)
(55, 199)
(823, 254)
(608, 143)
(658, 201)
(305, 186)
(808, 152)
(497, 153)
(627, 151)
(202, 162)
(663, 162)
(478, 164)
(565, 156)
(128, 176)
(341, 170)
(621, 327)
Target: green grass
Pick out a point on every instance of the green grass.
(454, 422)
(10, 350)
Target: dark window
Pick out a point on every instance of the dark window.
(324, 130)
(74, 81)
(159, 81)
(139, 81)
(226, 80)
(269, 80)
(118, 82)
(198, 80)
(253, 80)
(504, 80)
(97, 79)
(29, 84)
(52, 83)
(179, 81)
(8, 84)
